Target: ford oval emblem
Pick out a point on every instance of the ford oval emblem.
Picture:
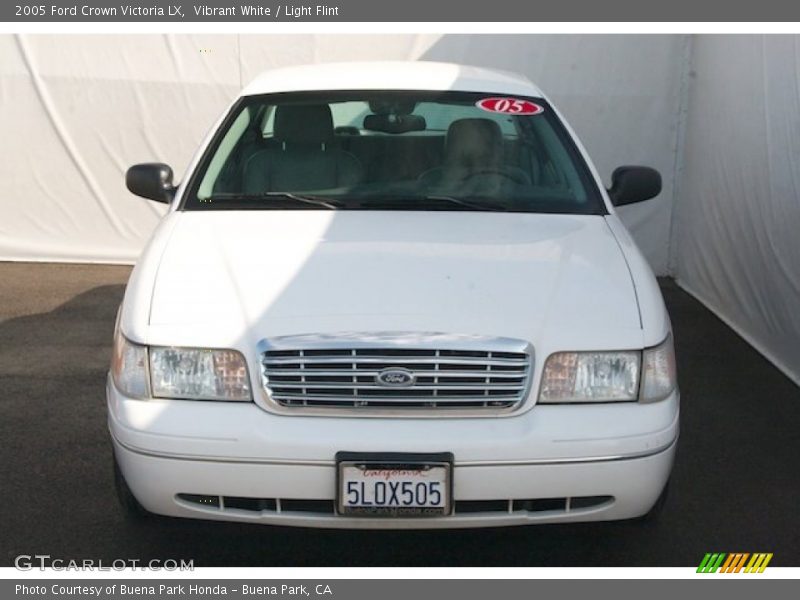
(395, 377)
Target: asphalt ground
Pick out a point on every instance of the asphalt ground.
(735, 486)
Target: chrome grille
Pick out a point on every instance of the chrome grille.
(447, 372)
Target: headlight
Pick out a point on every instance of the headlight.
(199, 374)
(659, 378)
(129, 366)
(591, 377)
(610, 376)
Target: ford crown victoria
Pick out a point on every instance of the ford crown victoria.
(392, 295)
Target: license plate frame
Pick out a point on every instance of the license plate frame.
(394, 461)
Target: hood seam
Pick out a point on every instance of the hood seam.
(630, 272)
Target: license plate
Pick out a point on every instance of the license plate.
(394, 485)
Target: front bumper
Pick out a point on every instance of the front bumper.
(619, 455)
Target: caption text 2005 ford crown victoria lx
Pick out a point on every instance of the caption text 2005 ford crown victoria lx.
(392, 295)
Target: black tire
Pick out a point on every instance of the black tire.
(127, 501)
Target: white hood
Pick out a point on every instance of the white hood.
(233, 278)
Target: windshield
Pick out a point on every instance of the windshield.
(393, 151)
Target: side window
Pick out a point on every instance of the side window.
(268, 125)
(552, 162)
(349, 114)
(223, 153)
(440, 116)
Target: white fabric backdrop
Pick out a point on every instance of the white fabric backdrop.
(719, 116)
(736, 242)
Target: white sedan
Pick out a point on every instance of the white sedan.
(392, 295)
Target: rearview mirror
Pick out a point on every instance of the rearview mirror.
(631, 184)
(152, 181)
(394, 123)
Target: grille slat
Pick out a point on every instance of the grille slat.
(373, 372)
(494, 376)
(334, 359)
(439, 398)
(335, 385)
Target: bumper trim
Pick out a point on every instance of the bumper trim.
(567, 461)
(332, 463)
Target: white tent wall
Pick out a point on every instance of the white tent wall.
(736, 243)
(75, 111)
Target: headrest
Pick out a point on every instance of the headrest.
(473, 143)
(303, 123)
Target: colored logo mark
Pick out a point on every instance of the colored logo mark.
(736, 562)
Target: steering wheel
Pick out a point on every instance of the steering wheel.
(518, 178)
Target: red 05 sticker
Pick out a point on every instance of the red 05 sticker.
(509, 106)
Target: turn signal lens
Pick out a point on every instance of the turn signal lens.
(659, 377)
(129, 367)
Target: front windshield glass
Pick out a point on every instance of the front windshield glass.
(393, 151)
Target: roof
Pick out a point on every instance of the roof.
(380, 75)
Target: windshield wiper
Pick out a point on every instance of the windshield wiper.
(425, 202)
(396, 202)
(465, 203)
(319, 201)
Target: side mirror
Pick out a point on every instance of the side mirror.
(634, 184)
(152, 181)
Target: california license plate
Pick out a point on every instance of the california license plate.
(394, 485)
